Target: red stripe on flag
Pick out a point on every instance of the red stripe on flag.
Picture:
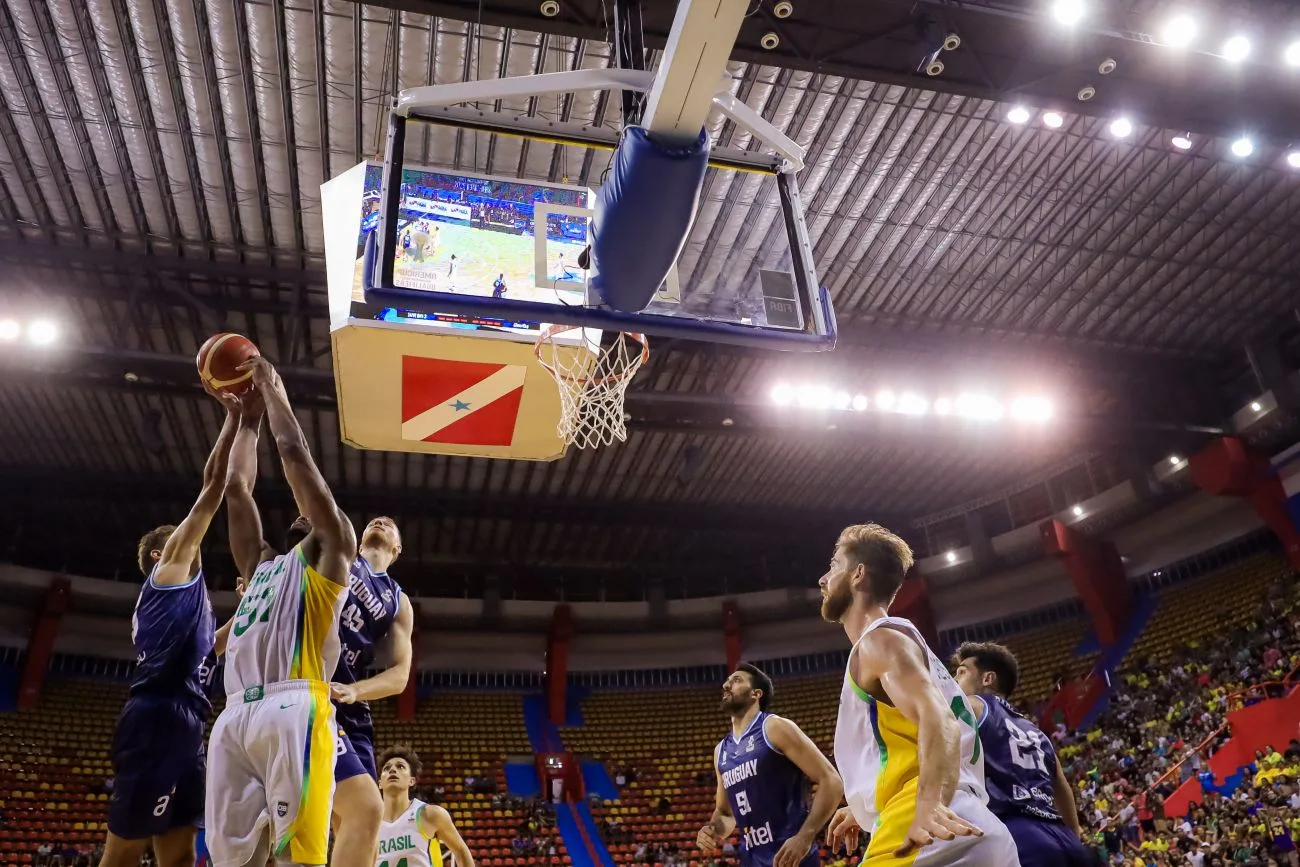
(429, 382)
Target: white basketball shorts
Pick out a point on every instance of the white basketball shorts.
(995, 849)
(271, 769)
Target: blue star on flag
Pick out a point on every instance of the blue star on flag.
(460, 405)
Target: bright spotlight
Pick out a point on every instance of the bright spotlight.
(9, 329)
(979, 406)
(1019, 114)
(1179, 31)
(943, 406)
(885, 400)
(1236, 49)
(1292, 54)
(42, 332)
(1078, 511)
(1053, 120)
(1121, 127)
(1175, 460)
(843, 399)
(782, 394)
(815, 397)
(1031, 409)
(1068, 12)
(951, 556)
(1181, 142)
(912, 404)
(1243, 147)
(1256, 406)
(1293, 159)
(859, 402)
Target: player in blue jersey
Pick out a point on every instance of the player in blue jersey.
(767, 768)
(376, 617)
(1027, 789)
(158, 756)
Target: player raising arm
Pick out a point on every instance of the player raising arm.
(158, 759)
(413, 832)
(273, 748)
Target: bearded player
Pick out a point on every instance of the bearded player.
(413, 832)
(376, 616)
(1027, 789)
(272, 750)
(766, 769)
(158, 758)
(905, 741)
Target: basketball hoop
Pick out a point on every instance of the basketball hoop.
(591, 395)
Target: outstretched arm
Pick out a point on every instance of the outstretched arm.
(795, 745)
(393, 679)
(178, 562)
(337, 539)
(244, 523)
(436, 822)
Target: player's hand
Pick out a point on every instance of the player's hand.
(344, 693)
(843, 830)
(708, 840)
(936, 822)
(793, 851)
(265, 377)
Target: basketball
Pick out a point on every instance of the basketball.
(219, 359)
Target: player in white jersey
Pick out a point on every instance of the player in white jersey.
(271, 754)
(906, 743)
(413, 832)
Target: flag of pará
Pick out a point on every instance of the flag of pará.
(460, 402)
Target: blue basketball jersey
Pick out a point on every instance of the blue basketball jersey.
(1019, 763)
(173, 630)
(769, 795)
(368, 614)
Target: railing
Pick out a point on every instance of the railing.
(1290, 679)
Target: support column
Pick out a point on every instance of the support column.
(491, 611)
(913, 603)
(731, 633)
(406, 700)
(629, 53)
(1098, 576)
(1227, 468)
(557, 662)
(40, 643)
(981, 546)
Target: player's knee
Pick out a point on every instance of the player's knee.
(358, 805)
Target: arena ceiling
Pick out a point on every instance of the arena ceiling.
(160, 163)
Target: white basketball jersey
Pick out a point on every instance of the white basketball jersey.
(876, 746)
(286, 626)
(403, 842)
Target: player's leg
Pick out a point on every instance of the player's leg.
(358, 806)
(236, 818)
(144, 779)
(178, 846)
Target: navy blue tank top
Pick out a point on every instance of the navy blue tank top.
(372, 605)
(769, 795)
(173, 630)
(1019, 763)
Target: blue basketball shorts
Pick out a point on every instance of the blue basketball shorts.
(356, 756)
(158, 768)
(1047, 844)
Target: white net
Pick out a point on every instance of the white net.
(592, 390)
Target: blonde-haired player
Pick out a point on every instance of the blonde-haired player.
(272, 751)
(906, 743)
(413, 832)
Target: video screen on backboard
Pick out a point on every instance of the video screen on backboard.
(477, 235)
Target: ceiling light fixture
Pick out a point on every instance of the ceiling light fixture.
(1256, 406)
(1018, 114)
(42, 332)
(1068, 12)
(1053, 120)
(1175, 460)
(951, 556)
(1292, 54)
(1179, 31)
(1293, 159)
(1243, 147)
(1182, 142)
(1236, 49)
(860, 402)
(782, 394)
(1121, 127)
(1078, 511)
(885, 400)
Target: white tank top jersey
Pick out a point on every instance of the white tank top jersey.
(286, 626)
(401, 842)
(876, 746)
